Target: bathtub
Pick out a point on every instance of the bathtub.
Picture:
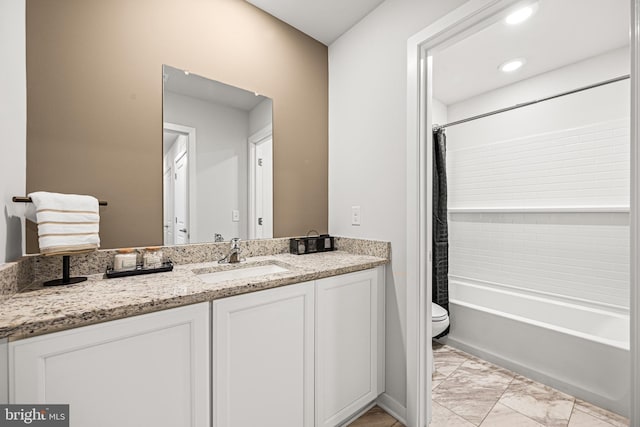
(581, 350)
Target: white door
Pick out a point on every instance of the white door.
(148, 370)
(350, 344)
(261, 185)
(181, 205)
(264, 188)
(263, 358)
(167, 206)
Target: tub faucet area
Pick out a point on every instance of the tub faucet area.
(233, 257)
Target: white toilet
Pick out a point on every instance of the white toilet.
(439, 322)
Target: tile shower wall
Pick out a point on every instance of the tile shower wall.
(579, 255)
(582, 254)
(581, 167)
(539, 196)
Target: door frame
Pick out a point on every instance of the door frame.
(262, 134)
(190, 132)
(458, 24)
(635, 212)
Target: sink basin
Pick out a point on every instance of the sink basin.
(241, 273)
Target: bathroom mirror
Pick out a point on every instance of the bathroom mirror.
(217, 160)
(95, 95)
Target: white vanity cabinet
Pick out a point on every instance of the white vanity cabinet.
(263, 358)
(310, 354)
(349, 344)
(304, 355)
(147, 370)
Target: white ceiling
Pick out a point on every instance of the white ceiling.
(561, 32)
(324, 20)
(195, 86)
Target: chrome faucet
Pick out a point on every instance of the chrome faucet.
(218, 238)
(233, 257)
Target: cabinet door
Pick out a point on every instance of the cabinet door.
(148, 370)
(349, 337)
(263, 351)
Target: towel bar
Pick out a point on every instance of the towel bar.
(19, 199)
(66, 277)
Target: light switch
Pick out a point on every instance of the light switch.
(355, 215)
(235, 215)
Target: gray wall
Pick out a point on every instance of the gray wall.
(367, 155)
(13, 122)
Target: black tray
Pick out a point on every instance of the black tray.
(311, 245)
(166, 266)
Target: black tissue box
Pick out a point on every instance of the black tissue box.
(310, 245)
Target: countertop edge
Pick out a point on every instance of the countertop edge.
(66, 322)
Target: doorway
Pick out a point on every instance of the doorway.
(452, 28)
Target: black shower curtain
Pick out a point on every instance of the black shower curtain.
(440, 244)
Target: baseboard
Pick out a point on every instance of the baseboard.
(393, 407)
(358, 414)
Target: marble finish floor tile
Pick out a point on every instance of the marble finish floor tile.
(435, 382)
(447, 360)
(376, 417)
(442, 417)
(503, 416)
(539, 402)
(601, 414)
(473, 389)
(582, 419)
(484, 395)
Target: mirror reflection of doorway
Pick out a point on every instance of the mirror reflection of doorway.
(230, 122)
(178, 187)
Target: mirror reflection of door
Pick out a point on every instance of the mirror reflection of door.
(167, 196)
(180, 199)
(261, 185)
(178, 186)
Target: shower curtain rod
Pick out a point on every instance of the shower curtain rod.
(525, 104)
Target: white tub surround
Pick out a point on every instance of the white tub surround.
(576, 347)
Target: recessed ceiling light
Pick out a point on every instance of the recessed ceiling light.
(511, 65)
(520, 15)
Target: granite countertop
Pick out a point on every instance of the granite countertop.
(39, 310)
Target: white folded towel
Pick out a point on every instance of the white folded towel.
(67, 223)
